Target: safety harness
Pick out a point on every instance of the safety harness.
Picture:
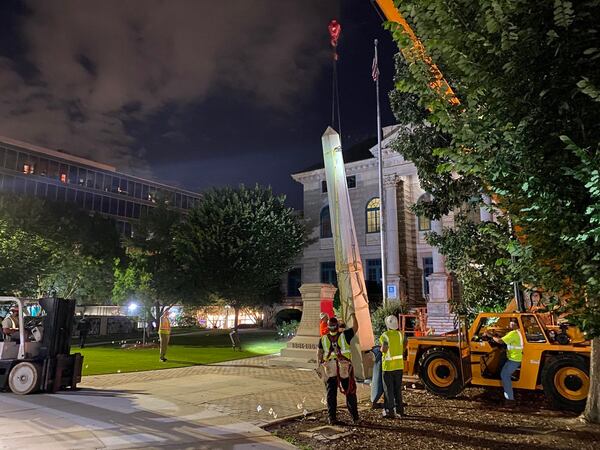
(340, 357)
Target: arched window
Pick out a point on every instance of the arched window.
(424, 222)
(325, 223)
(373, 216)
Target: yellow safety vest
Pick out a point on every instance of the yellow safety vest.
(165, 325)
(342, 344)
(393, 359)
(514, 345)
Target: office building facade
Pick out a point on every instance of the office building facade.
(58, 176)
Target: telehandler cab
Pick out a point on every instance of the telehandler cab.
(37, 357)
(556, 359)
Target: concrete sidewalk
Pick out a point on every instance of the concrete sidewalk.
(199, 407)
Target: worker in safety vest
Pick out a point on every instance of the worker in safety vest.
(514, 353)
(334, 353)
(10, 325)
(164, 333)
(392, 364)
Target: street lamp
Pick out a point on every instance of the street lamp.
(132, 308)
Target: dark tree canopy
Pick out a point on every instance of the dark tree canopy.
(237, 243)
(528, 78)
(56, 247)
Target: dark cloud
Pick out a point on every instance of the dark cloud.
(95, 65)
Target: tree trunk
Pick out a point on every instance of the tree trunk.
(237, 316)
(592, 409)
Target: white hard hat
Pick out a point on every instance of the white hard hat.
(324, 316)
(391, 322)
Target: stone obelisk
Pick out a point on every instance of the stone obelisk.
(348, 264)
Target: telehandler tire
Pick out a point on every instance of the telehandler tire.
(24, 378)
(566, 381)
(439, 371)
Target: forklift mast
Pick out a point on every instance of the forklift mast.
(58, 326)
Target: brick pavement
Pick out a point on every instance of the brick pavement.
(235, 388)
(200, 407)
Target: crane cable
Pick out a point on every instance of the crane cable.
(334, 32)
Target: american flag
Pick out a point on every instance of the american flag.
(375, 68)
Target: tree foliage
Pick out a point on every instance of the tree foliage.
(55, 247)
(151, 273)
(527, 76)
(237, 243)
(471, 249)
(526, 88)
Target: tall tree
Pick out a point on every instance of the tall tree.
(528, 78)
(150, 273)
(237, 243)
(471, 248)
(70, 252)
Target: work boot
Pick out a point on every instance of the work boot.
(333, 421)
(356, 420)
(376, 405)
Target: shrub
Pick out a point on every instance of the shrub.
(287, 330)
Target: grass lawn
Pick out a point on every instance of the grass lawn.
(183, 351)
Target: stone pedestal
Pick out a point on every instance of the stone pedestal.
(439, 316)
(301, 351)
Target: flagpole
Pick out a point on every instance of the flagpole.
(381, 193)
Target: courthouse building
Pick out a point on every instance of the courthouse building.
(414, 268)
(93, 186)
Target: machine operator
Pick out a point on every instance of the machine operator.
(10, 325)
(514, 353)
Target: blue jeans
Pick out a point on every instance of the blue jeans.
(508, 369)
(377, 379)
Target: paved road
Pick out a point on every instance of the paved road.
(200, 407)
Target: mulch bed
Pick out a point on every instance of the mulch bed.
(476, 419)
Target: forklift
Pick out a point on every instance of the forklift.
(40, 358)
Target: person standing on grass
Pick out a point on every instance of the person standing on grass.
(164, 333)
(83, 326)
(392, 365)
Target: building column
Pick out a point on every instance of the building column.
(392, 247)
(439, 316)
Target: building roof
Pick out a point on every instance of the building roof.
(57, 154)
(66, 156)
(357, 152)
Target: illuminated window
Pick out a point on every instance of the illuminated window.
(27, 169)
(63, 177)
(373, 215)
(424, 223)
(325, 223)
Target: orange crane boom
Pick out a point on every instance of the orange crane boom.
(417, 52)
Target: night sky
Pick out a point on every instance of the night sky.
(193, 93)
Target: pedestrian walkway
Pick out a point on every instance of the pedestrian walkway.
(219, 406)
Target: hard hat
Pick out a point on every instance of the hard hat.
(391, 322)
(324, 316)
